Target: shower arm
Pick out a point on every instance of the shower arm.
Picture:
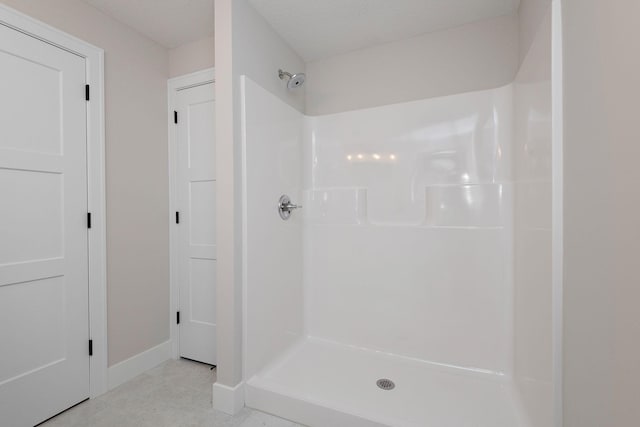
(282, 74)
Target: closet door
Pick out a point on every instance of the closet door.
(196, 189)
(44, 358)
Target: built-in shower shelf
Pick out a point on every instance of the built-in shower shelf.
(441, 206)
(336, 206)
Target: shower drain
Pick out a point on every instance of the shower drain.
(385, 384)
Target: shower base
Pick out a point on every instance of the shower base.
(320, 383)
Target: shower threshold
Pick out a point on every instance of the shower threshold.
(322, 383)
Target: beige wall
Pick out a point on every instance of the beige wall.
(136, 172)
(258, 52)
(601, 210)
(476, 56)
(228, 280)
(530, 16)
(195, 56)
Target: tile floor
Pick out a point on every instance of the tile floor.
(174, 394)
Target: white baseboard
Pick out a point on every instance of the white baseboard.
(229, 400)
(132, 367)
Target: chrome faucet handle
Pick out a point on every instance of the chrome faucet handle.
(290, 206)
(285, 207)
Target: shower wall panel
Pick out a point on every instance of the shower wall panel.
(532, 169)
(272, 166)
(408, 229)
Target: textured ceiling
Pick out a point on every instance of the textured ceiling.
(168, 22)
(322, 28)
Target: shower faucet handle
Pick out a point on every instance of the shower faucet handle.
(285, 207)
(290, 206)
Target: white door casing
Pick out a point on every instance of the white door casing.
(44, 324)
(194, 240)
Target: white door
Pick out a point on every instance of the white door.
(44, 359)
(196, 188)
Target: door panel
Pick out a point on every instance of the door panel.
(203, 213)
(44, 327)
(35, 211)
(202, 290)
(196, 188)
(46, 136)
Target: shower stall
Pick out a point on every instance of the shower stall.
(396, 260)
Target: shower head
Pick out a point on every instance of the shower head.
(293, 80)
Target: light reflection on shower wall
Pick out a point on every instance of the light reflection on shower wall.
(408, 231)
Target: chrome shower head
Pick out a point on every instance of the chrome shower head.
(293, 80)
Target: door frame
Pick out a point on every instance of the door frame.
(94, 64)
(174, 85)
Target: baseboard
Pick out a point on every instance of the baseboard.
(229, 400)
(132, 367)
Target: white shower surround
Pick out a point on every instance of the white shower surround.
(427, 247)
(407, 243)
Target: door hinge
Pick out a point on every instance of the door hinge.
(177, 217)
(178, 317)
(86, 92)
(175, 117)
(90, 347)
(88, 219)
